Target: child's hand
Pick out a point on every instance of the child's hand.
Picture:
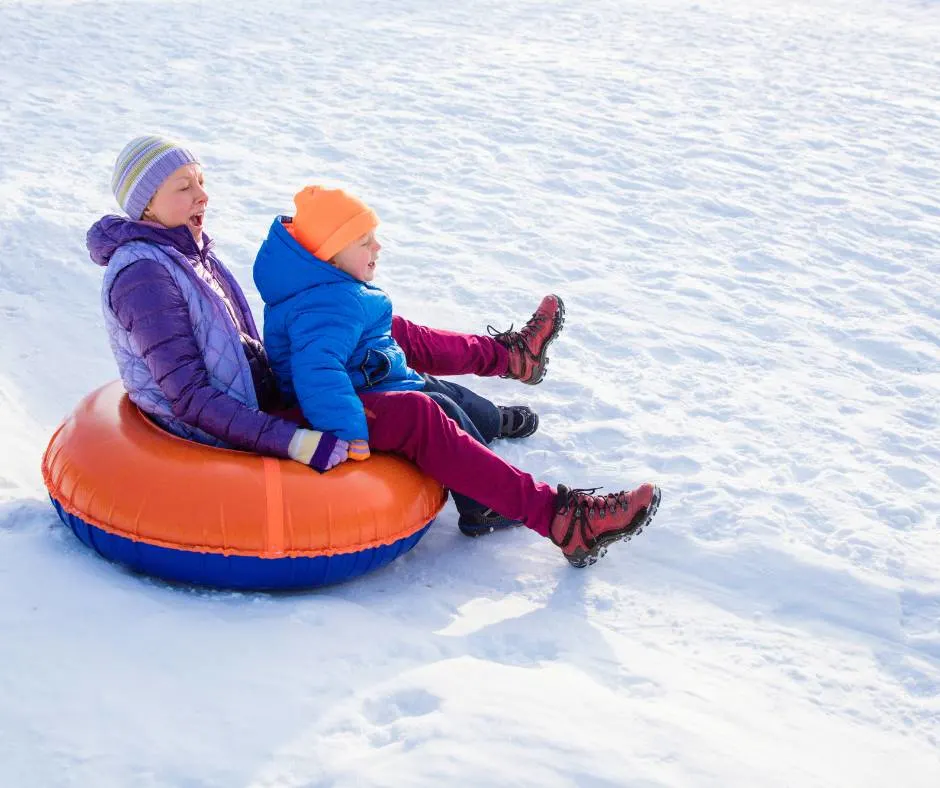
(359, 450)
(320, 450)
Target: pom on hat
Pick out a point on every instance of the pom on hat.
(142, 167)
(328, 220)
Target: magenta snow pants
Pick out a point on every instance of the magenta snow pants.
(447, 352)
(413, 425)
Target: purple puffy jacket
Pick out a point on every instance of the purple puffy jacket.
(150, 306)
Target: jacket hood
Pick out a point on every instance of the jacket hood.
(111, 232)
(284, 268)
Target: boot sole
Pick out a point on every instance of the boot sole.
(557, 325)
(640, 520)
(475, 531)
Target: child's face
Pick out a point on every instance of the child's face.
(359, 258)
(181, 199)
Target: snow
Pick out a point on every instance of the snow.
(738, 203)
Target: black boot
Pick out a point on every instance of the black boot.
(517, 421)
(484, 521)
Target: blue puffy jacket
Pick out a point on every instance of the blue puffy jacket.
(328, 335)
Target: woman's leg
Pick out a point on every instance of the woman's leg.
(470, 510)
(479, 410)
(447, 352)
(410, 423)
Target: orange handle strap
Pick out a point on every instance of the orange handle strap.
(274, 496)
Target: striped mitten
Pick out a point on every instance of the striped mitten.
(320, 450)
(359, 450)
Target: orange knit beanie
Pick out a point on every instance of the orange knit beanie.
(328, 220)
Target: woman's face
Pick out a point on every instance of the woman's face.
(181, 199)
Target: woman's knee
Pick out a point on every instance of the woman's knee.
(444, 402)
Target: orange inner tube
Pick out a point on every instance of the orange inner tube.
(112, 467)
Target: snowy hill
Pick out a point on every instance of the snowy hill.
(738, 202)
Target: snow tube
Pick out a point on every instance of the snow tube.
(186, 512)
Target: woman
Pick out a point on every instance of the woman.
(189, 352)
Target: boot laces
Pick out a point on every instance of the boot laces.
(532, 327)
(584, 500)
(523, 335)
(500, 335)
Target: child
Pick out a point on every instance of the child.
(332, 343)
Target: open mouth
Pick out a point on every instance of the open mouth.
(196, 220)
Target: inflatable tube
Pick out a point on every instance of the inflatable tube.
(186, 512)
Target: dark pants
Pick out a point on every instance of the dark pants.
(475, 415)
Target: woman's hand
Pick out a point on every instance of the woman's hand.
(320, 450)
(339, 454)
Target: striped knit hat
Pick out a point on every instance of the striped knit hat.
(141, 168)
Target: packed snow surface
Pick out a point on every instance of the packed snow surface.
(738, 202)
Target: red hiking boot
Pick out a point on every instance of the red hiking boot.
(527, 346)
(584, 524)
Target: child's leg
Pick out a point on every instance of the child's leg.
(481, 412)
(410, 423)
(447, 352)
(521, 355)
